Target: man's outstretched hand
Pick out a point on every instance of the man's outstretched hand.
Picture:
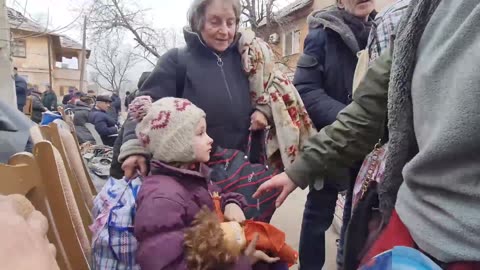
(281, 181)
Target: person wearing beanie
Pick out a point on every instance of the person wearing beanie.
(69, 96)
(37, 106)
(105, 125)
(173, 132)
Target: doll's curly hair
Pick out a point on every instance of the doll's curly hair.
(204, 244)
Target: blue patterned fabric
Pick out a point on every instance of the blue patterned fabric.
(401, 258)
(114, 244)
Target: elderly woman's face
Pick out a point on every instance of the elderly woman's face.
(220, 25)
(359, 8)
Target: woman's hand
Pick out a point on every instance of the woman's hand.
(134, 163)
(233, 212)
(258, 121)
(255, 255)
(280, 182)
(20, 241)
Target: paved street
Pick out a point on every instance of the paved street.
(289, 219)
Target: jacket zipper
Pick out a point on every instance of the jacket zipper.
(220, 65)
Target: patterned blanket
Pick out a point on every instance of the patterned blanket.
(275, 96)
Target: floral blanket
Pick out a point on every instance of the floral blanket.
(275, 96)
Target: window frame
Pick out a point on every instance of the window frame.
(14, 45)
(292, 49)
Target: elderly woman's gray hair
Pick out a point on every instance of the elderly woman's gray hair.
(196, 13)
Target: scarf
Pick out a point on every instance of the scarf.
(274, 95)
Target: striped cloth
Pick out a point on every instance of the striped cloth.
(114, 244)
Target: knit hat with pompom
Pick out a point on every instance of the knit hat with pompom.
(166, 127)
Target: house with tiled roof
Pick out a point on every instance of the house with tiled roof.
(44, 57)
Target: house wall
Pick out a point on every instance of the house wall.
(34, 67)
(65, 78)
(295, 22)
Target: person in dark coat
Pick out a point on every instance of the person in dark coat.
(37, 106)
(125, 102)
(116, 170)
(49, 99)
(116, 107)
(92, 94)
(21, 89)
(209, 73)
(14, 131)
(129, 97)
(105, 125)
(69, 96)
(324, 79)
(81, 112)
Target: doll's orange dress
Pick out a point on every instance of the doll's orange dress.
(270, 239)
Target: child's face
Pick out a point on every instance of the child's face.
(202, 143)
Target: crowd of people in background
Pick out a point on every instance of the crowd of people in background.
(101, 111)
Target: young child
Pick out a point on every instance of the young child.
(173, 131)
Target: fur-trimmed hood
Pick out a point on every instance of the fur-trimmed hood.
(339, 21)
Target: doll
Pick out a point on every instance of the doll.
(212, 243)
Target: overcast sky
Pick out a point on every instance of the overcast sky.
(164, 13)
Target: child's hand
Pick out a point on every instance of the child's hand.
(258, 121)
(233, 212)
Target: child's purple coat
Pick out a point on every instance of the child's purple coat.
(167, 204)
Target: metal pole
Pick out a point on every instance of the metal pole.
(7, 87)
(49, 39)
(84, 54)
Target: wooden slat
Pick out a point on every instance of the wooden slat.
(22, 176)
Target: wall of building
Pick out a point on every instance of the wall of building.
(295, 22)
(34, 67)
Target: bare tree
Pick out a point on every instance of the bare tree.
(117, 16)
(265, 18)
(257, 12)
(111, 63)
(166, 38)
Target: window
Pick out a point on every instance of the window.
(68, 63)
(291, 43)
(19, 48)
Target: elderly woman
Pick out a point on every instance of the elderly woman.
(209, 73)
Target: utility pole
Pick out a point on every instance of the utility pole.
(84, 54)
(7, 85)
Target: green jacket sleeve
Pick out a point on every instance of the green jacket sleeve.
(353, 135)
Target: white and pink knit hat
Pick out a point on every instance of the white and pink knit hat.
(166, 127)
